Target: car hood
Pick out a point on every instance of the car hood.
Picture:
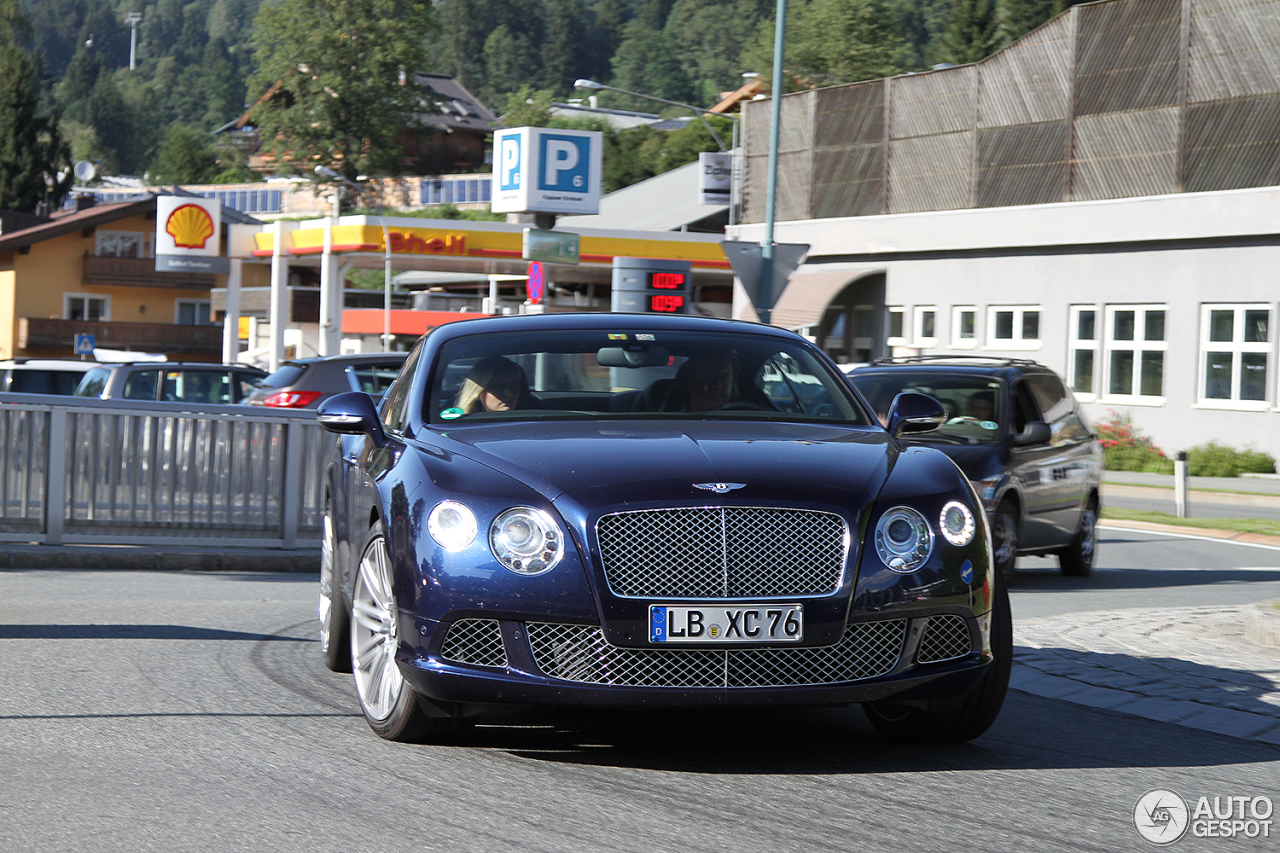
(977, 461)
(639, 462)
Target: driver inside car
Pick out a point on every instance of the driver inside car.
(703, 383)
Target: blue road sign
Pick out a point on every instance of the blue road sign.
(84, 344)
(566, 163)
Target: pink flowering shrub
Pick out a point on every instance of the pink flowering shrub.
(1127, 448)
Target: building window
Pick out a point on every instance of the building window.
(1135, 348)
(897, 327)
(1235, 346)
(1013, 327)
(963, 325)
(121, 244)
(85, 307)
(926, 321)
(1083, 347)
(192, 312)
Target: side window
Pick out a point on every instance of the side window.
(1024, 407)
(93, 383)
(243, 384)
(396, 400)
(141, 385)
(1051, 397)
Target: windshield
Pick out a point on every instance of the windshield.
(974, 404)
(598, 374)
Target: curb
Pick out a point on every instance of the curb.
(1262, 624)
(158, 558)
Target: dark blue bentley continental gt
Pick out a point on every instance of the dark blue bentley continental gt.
(636, 510)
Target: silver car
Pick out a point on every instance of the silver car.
(304, 382)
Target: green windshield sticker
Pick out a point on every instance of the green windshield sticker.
(451, 414)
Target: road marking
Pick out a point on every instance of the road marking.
(1189, 536)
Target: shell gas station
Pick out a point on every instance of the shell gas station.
(468, 268)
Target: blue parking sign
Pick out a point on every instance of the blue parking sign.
(84, 344)
(509, 165)
(546, 170)
(565, 161)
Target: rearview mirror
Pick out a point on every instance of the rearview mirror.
(350, 413)
(1035, 432)
(914, 413)
(633, 356)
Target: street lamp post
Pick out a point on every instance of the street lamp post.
(698, 111)
(771, 193)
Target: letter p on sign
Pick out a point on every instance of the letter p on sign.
(564, 163)
(509, 163)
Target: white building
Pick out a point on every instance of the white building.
(1101, 196)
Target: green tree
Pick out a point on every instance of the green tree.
(563, 62)
(830, 42)
(709, 36)
(346, 71)
(970, 34)
(647, 62)
(31, 150)
(528, 107)
(1016, 18)
(510, 62)
(186, 156)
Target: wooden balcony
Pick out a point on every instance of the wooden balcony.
(38, 335)
(141, 272)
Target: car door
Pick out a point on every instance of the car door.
(1071, 460)
(1032, 470)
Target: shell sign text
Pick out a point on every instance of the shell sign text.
(427, 244)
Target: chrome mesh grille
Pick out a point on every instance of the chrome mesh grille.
(723, 552)
(581, 653)
(475, 641)
(945, 637)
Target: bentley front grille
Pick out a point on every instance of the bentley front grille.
(723, 552)
(475, 641)
(581, 653)
(946, 637)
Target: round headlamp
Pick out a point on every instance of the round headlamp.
(526, 540)
(452, 525)
(903, 539)
(956, 523)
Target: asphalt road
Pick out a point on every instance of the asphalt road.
(189, 712)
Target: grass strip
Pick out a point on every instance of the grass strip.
(1263, 526)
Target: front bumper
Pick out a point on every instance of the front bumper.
(485, 661)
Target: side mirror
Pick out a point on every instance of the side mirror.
(914, 413)
(350, 413)
(1035, 432)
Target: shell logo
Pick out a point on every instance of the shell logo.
(190, 226)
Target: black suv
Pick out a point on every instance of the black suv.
(1017, 433)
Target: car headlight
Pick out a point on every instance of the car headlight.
(903, 539)
(452, 525)
(956, 523)
(526, 540)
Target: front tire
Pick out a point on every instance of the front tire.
(335, 627)
(390, 705)
(1004, 536)
(1077, 559)
(976, 711)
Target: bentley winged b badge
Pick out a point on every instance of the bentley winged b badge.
(719, 488)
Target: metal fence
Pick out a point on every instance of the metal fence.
(124, 472)
(1108, 100)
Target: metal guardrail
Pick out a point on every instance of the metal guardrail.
(111, 472)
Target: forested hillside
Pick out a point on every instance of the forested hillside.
(198, 60)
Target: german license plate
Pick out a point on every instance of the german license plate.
(750, 623)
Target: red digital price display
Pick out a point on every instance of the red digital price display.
(666, 303)
(666, 280)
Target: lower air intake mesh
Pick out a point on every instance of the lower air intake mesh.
(581, 653)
